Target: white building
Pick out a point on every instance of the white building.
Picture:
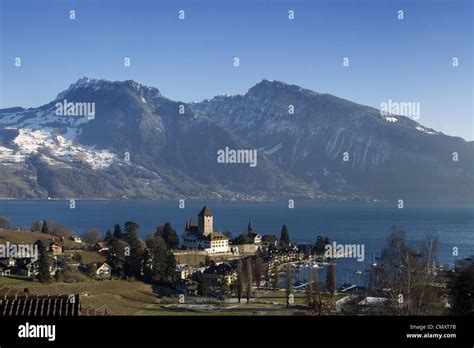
(203, 236)
(104, 271)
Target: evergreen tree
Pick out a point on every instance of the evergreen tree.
(108, 235)
(284, 237)
(168, 233)
(133, 265)
(160, 265)
(117, 232)
(118, 255)
(45, 228)
(43, 275)
(131, 231)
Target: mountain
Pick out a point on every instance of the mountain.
(140, 144)
(389, 157)
(137, 145)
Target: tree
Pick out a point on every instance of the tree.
(249, 282)
(118, 255)
(288, 283)
(43, 275)
(168, 233)
(44, 227)
(202, 285)
(91, 236)
(131, 231)
(409, 274)
(276, 278)
(284, 237)
(258, 271)
(108, 236)
(241, 239)
(313, 291)
(133, 264)
(331, 279)
(37, 226)
(153, 242)
(5, 222)
(159, 264)
(239, 284)
(461, 288)
(118, 232)
(320, 246)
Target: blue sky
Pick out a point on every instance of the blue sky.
(406, 61)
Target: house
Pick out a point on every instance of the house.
(254, 237)
(55, 248)
(220, 273)
(101, 247)
(185, 271)
(26, 267)
(8, 261)
(4, 271)
(76, 239)
(203, 236)
(104, 271)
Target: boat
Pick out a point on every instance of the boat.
(358, 272)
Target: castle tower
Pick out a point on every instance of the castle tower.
(205, 221)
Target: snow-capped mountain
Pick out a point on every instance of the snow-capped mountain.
(103, 139)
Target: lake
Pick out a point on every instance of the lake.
(346, 223)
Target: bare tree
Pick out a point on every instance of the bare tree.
(288, 281)
(407, 277)
(249, 282)
(239, 284)
(331, 279)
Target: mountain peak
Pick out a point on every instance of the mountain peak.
(97, 84)
(274, 85)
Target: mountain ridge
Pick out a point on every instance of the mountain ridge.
(173, 147)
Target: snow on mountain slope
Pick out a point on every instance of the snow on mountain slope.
(55, 136)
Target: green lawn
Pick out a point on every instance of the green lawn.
(14, 280)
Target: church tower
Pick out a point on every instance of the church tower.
(205, 221)
(250, 227)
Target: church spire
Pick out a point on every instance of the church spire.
(249, 227)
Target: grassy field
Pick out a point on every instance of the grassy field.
(24, 237)
(243, 309)
(121, 296)
(299, 297)
(268, 304)
(92, 256)
(14, 280)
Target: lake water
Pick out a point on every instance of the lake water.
(346, 223)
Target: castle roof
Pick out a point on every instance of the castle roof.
(205, 212)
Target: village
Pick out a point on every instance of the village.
(201, 272)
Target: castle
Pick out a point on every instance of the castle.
(203, 236)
